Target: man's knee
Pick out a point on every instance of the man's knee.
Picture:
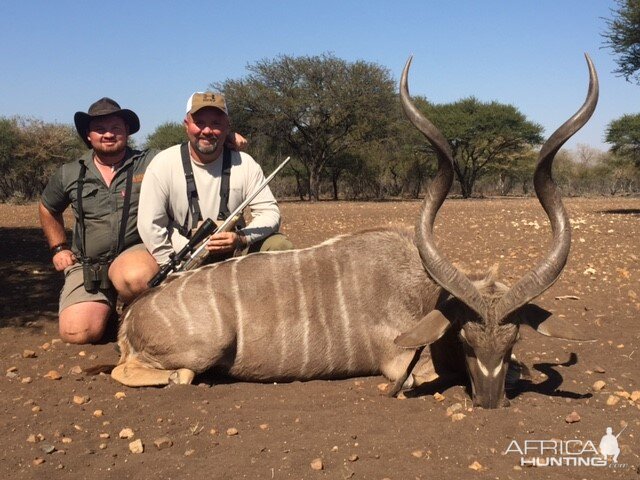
(83, 323)
(131, 272)
(275, 242)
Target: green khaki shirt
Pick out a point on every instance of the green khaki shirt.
(102, 205)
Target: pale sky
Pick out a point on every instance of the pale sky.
(60, 56)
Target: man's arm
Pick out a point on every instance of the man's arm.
(153, 216)
(53, 227)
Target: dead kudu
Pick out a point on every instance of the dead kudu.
(359, 304)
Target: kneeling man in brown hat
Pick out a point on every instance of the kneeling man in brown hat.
(106, 258)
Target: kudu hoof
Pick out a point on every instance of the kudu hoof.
(182, 376)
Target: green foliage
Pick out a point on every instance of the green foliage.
(624, 135)
(30, 150)
(166, 135)
(623, 37)
(319, 109)
(481, 135)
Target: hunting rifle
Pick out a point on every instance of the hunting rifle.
(194, 252)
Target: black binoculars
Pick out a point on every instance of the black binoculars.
(96, 274)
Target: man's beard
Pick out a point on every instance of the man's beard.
(213, 145)
(111, 150)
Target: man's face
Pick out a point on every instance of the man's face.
(207, 129)
(108, 135)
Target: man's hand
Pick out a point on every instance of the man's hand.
(63, 259)
(226, 242)
(235, 141)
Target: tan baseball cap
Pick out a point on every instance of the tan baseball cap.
(200, 100)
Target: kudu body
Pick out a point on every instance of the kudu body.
(357, 304)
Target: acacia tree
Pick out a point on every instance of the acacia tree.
(623, 37)
(166, 135)
(624, 136)
(30, 150)
(316, 108)
(481, 135)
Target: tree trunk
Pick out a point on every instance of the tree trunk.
(314, 186)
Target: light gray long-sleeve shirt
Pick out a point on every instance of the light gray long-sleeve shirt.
(163, 199)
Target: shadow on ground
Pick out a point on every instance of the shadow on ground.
(29, 284)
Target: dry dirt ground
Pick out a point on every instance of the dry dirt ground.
(69, 425)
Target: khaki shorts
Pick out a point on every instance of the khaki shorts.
(73, 289)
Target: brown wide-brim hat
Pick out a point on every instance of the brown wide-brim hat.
(103, 107)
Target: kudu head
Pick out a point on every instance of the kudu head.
(488, 315)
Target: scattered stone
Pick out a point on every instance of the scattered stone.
(36, 409)
(623, 394)
(38, 461)
(162, 442)
(232, 431)
(80, 399)
(120, 395)
(12, 369)
(126, 433)
(353, 457)
(67, 440)
(102, 446)
(517, 468)
(28, 354)
(334, 448)
(82, 353)
(599, 385)
(45, 346)
(383, 387)
(104, 435)
(612, 400)
(635, 396)
(453, 408)
(12, 375)
(316, 464)
(264, 426)
(476, 466)
(98, 413)
(136, 446)
(52, 375)
(573, 417)
(418, 453)
(438, 397)
(77, 370)
(189, 452)
(26, 380)
(599, 370)
(47, 448)
(456, 417)
(35, 438)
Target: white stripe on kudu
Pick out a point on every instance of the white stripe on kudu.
(304, 313)
(342, 304)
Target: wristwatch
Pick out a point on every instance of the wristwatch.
(58, 248)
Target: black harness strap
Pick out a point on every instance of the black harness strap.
(80, 184)
(192, 191)
(224, 212)
(125, 209)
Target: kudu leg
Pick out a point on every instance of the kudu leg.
(134, 374)
(397, 385)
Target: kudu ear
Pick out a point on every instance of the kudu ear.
(543, 322)
(426, 331)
